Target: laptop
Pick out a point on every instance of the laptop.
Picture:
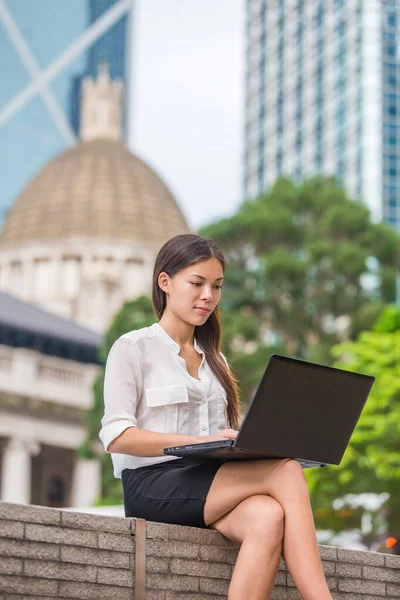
(300, 410)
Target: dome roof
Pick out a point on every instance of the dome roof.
(97, 189)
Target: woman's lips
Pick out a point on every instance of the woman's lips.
(205, 311)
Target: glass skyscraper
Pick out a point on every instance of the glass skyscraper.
(323, 96)
(46, 48)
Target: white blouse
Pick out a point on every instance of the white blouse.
(147, 385)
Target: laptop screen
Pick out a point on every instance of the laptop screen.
(304, 410)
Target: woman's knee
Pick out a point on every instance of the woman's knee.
(292, 471)
(262, 516)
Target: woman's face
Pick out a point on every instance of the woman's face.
(194, 292)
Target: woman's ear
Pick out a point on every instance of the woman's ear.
(163, 282)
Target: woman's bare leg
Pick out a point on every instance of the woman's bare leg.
(257, 524)
(284, 481)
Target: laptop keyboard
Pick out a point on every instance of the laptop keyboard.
(307, 464)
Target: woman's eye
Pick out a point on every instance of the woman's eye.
(197, 284)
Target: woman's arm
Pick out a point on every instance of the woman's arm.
(142, 442)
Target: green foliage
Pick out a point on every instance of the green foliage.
(365, 316)
(371, 461)
(389, 320)
(135, 314)
(299, 257)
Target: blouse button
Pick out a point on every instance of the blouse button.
(204, 401)
(204, 428)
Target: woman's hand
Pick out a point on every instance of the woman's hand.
(225, 434)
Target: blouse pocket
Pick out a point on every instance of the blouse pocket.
(168, 409)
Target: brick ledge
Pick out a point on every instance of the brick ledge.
(49, 553)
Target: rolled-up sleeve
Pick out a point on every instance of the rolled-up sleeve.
(122, 385)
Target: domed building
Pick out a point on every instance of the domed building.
(83, 235)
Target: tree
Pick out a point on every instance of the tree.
(134, 314)
(306, 263)
(371, 461)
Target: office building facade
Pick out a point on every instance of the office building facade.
(323, 96)
(46, 50)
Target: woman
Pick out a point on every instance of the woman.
(168, 385)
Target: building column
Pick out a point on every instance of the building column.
(16, 470)
(86, 485)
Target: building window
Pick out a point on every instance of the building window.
(390, 49)
(56, 496)
(390, 20)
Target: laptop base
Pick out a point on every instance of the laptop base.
(228, 453)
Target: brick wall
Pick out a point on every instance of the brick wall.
(47, 553)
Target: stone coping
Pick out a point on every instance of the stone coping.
(49, 553)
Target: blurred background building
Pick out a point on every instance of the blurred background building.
(47, 368)
(46, 49)
(323, 96)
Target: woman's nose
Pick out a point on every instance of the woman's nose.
(206, 293)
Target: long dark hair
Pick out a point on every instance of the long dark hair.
(177, 254)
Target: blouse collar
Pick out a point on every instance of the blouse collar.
(158, 330)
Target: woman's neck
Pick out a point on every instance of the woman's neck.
(182, 333)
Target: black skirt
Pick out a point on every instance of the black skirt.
(173, 491)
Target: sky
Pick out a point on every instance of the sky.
(188, 101)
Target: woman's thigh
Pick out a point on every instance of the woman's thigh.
(237, 480)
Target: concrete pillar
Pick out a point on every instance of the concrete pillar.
(24, 371)
(86, 485)
(16, 470)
